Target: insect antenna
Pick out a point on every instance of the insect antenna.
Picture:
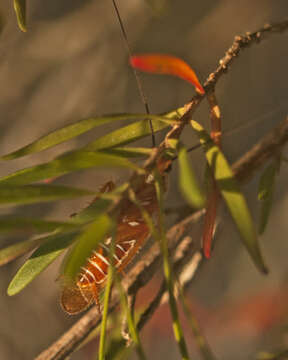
(136, 74)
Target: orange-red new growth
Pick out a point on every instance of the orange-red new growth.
(166, 64)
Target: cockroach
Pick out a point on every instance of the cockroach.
(131, 233)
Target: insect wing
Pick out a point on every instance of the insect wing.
(74, 300)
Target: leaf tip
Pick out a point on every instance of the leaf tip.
(11, 290)
(207, 252)
(199, 88)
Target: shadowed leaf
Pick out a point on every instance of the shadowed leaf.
(85, 243)
(28, 194)
(188, 182)
(99, 205)
(10, 253)
(65, 164)
(232, 195)
(13, 224)
(166, 64)
(39, 260)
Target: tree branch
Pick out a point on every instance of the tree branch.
(147, 266)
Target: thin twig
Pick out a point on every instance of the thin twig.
(213, 197)
(270, 145)
(244, 168)
(136, 74)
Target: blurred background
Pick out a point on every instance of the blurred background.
(72, 64)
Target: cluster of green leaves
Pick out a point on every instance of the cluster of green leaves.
(20, 188)
(109, 150)
(52, 237)
(232, 196)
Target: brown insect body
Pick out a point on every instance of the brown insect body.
(131, 233)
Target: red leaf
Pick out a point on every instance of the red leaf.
(166, 64)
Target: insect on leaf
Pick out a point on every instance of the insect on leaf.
(232, 195)
(166, 64)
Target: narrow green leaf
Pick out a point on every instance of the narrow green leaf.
(125, 135)
(128, 152)
(102, 340)
(65, 164)
(159, 234)
(20, 10)
(28, 194)
(133, 132)
(169, 278)
(39, 260)
(10, 253)
(69, 132)
(91, 212)
(99, 205)
(130, 320)
(199, 337)
(267, 180)
(265, 194)
(11, 224)
(85, 243)
(232, 195)
(188, 182)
